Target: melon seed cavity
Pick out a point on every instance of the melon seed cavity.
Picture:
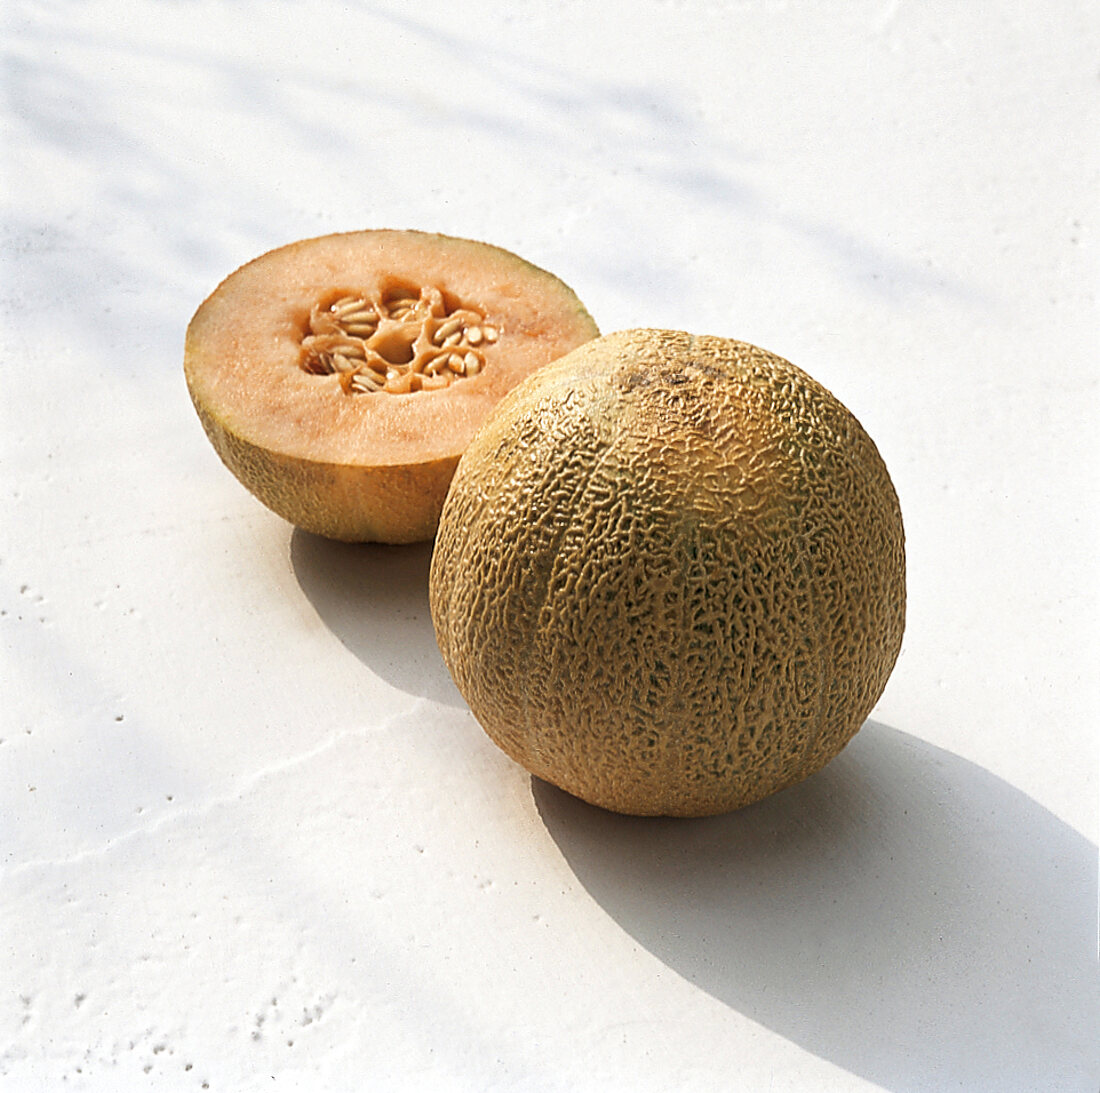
(397, 341)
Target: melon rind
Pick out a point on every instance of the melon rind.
(669, 575)
(351, 503)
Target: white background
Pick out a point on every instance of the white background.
(250, 837)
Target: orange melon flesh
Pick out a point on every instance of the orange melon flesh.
(362, 466)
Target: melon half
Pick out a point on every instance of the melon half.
(340, 378)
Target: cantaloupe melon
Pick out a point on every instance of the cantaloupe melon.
(341, 377)
(669, 576)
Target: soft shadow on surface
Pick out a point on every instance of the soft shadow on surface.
(904, 914)
(374, 598)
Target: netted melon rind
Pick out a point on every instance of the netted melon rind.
(669, 575)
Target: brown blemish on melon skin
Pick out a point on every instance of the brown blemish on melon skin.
(670, 595)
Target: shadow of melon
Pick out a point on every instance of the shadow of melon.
(904, 914)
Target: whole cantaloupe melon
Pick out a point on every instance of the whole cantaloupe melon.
(669, 575)
(340, 378)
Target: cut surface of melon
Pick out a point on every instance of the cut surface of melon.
(339, 458)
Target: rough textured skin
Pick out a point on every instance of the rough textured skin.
(348, 502)
(669, 575)
(372, 467)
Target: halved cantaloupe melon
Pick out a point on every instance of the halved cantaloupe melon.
(340, 378)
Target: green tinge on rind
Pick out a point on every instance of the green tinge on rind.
(348, 503)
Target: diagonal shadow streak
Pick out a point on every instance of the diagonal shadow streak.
(904, 914)
(534, 109)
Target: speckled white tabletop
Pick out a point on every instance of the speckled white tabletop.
(250, 836)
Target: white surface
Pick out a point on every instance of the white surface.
(250, 838)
